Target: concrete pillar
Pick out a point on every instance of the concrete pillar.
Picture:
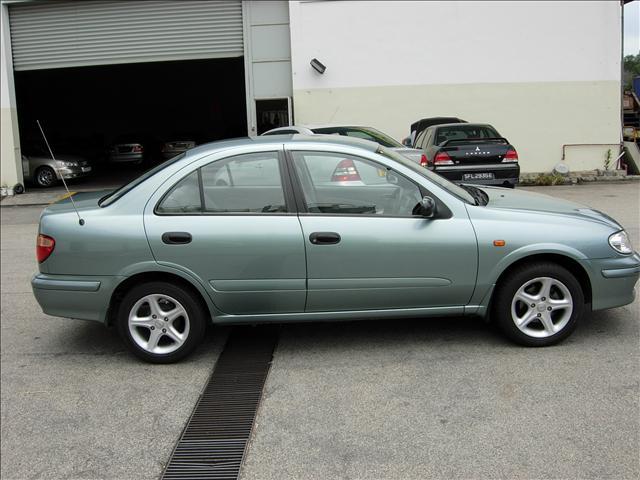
(10, 158)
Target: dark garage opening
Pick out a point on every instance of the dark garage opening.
(86, 110)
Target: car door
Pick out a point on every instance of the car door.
(365, 248)
(230, 224)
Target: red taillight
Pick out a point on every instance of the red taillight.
(510, 156)
(137, 149)
(442, 158)
(345, 171)
(423, 160)
(44, 247)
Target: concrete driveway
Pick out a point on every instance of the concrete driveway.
(444, 398)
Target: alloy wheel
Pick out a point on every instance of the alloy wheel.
(46, 177)
(542, 307)
(158, 324)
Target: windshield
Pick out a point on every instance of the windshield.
(120, 192)
(365, 133)
(450, 187)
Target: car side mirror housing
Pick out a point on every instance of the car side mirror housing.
(427, 208)
(406, 142)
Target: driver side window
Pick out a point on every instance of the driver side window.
(335, 183)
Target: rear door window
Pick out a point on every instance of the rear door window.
(249, 183)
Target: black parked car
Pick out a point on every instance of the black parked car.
(470, 153)
(418, 127)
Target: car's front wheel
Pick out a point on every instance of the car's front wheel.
(45, 177)
(161, 322)
(538, 304)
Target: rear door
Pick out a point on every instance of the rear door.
(366, 250)
(231, 224)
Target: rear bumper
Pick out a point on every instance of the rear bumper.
(81, 297)
(126, 157)
(613, 280)
(504, 173)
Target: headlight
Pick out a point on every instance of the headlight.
(620, 242)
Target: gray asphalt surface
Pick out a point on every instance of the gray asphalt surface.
(442, 398)
(74, 403)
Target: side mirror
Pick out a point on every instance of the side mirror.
(406, 142)
(426, 208)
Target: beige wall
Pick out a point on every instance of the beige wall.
(538, 118)
(10, 164)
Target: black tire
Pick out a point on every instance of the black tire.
(45, 177)
(504, 299)
(196, 320)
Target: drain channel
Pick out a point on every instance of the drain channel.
(214, 441)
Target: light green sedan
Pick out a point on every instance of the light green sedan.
(304, 228)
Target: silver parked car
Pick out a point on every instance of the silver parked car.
(278, 229)
(38, 167)
(175, 147)
(355, 131)
(127, 149)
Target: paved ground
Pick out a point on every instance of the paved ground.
(403, 399)
(75, 404)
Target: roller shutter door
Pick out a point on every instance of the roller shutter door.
(87, 32)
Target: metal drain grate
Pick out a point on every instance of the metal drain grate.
(213, 442)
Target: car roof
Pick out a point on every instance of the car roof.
(323, 125)
(462, 125)
(284, 139)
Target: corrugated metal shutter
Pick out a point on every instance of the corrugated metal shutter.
(78, 33)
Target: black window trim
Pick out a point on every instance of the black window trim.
(303, 209)
(286, 185)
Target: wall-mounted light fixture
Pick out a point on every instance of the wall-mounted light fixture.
(318, 66)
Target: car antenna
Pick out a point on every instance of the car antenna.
(80, 219)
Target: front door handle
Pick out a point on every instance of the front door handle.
(176, 238)
(324, 238)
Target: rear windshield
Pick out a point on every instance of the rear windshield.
(120, 192)
(465, 132)
(366, 133)
(450, 187)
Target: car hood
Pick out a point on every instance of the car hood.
(63, 157)
(515, 199)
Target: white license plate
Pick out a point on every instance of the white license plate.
(86, 169)
(478, 176)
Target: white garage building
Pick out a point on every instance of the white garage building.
(545, 74)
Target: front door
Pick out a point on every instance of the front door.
(365, 249)
(228, 223)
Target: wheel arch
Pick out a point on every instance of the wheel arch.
(154, 276)
(570, 264)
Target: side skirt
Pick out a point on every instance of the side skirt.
(338, 316)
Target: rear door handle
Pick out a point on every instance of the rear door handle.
(176, 238)
(324, 238)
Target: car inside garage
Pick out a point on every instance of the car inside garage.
(125, 85)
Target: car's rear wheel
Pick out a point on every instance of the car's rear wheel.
(45, 177)
(161, 322)
(538, 304)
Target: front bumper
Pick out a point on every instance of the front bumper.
(504, 173)
(613, 280)
(74, 172)
(81, 297)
